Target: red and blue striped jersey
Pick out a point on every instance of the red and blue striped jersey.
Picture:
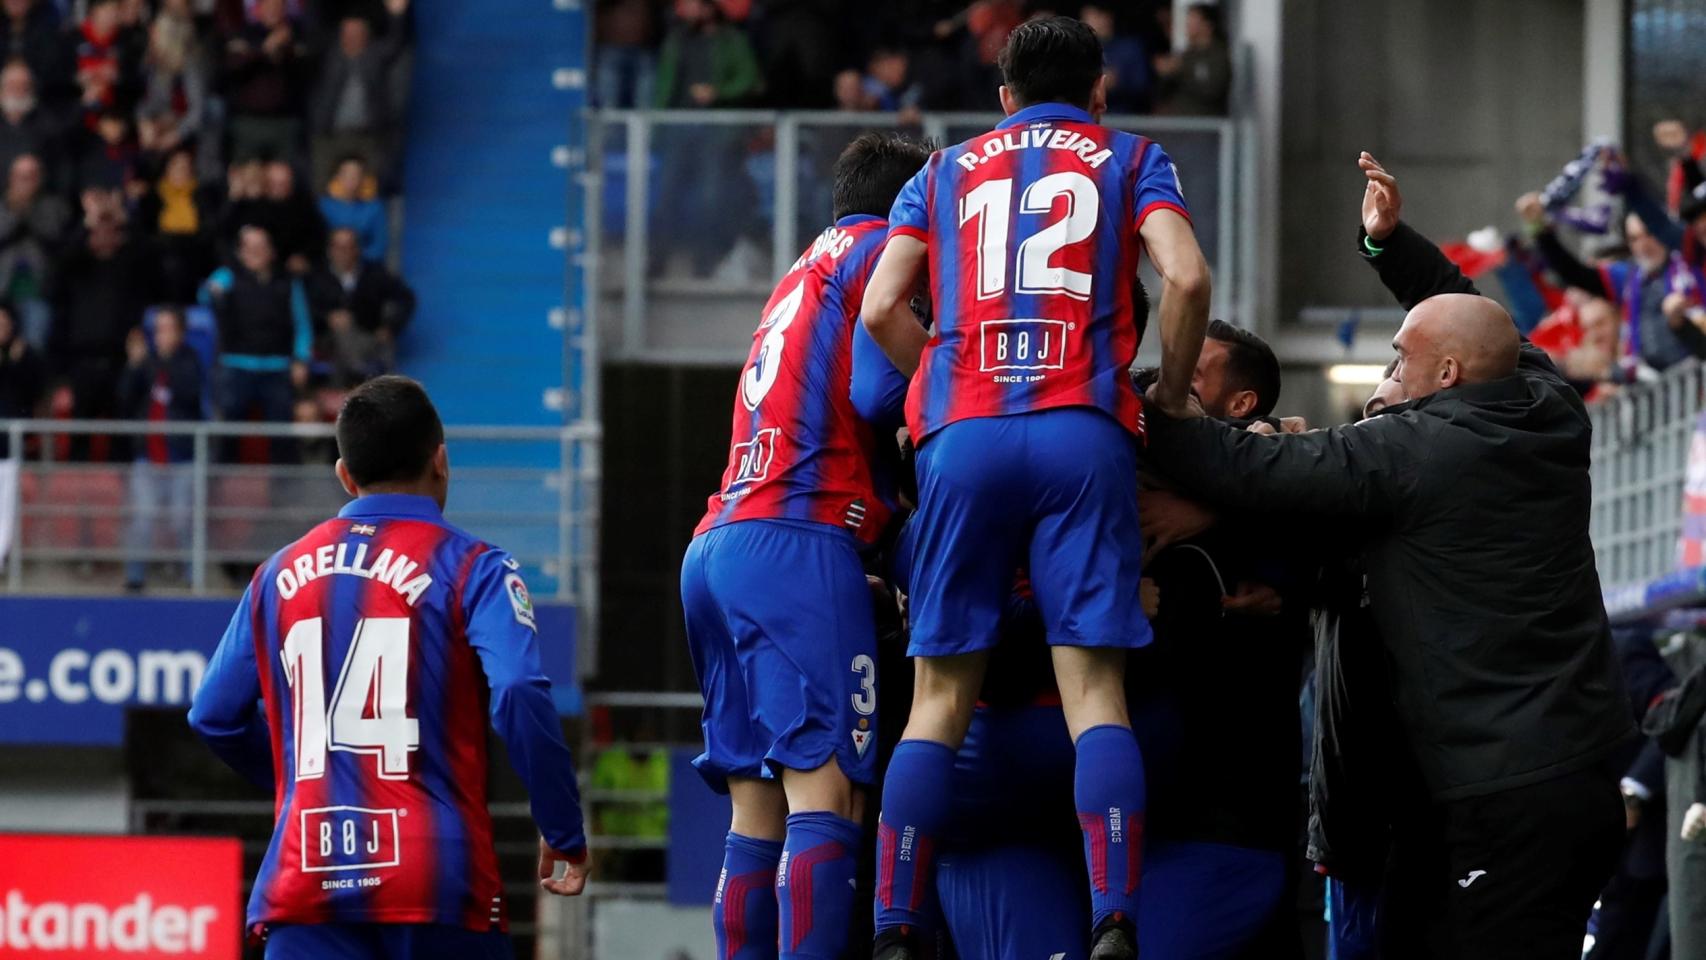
(798, 449)
(1033, 242)
(380, 643)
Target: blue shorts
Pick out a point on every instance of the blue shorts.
(1205, 901)
(1024, 901)
(1052, 492)
(385, 941)
(780, 628)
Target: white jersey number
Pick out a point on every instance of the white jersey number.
(990, 204)
(369, 710)
(767, 365)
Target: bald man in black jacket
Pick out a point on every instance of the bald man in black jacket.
(1472, 498)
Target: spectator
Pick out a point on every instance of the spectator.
(886, 84)
(33, 224)
(178, 212)
(704, 188)
(166, 385)
(351, 203)
(105, 157)
(359, 309)
(850, 92)
(1659, 294)
(1198, 81)
(262, 81)
(799, 52)
(1129, 73)
(626, 45)
(987, 24)
(266, 195)
(24, 126)
(29, 31)
(351, 112)
(22, 377)
(704, 61)
(99, 289)
(96, 53)
(315, 451)
(264, 335)
(175, 82)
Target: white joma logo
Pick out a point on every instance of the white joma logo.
(1474, 875)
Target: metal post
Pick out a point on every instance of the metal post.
(198, 515)
(591, 274)
(635, 252)
(787, 206)
(567, 482)
(1224, 276)
(15, 555)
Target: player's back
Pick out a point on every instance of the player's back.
(798, 449)
(1033, 247)
(377, 706)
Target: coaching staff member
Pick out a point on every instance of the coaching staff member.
(1472, 499)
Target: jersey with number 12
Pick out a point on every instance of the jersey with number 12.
(381, 642)
(1032, 232)
(798, 449)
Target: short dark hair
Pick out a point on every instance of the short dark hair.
(388, 431)
(1250, 364)
(871, 171)
(1052, 60)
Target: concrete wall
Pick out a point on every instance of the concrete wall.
(1469, 102)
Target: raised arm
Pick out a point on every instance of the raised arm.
(886, 309)
(1408, 263)
(1185, 293)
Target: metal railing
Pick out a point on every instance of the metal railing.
(1641, 442)
(693, 214)
(531, 490)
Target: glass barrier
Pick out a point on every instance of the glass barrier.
(201, 525)
(698, 212)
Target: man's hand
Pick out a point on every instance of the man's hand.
(299, 374)
(16, 350)
(340, 320)
(575, 869)
(1675, 308)
(703, 94)
(1167, 518)
(1381, 203)
(1149, 595)
(1694, 821)
(1530, 208)
(1178, 404)
(1254, 599)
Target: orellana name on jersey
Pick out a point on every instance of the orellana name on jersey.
(389, 567)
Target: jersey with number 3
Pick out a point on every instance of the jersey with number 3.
(380, 643)
(798, 449)
(1032, 232)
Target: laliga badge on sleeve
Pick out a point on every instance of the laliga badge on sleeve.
(519, 599)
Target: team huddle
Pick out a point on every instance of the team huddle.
(985, 298)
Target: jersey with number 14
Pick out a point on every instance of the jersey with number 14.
(798, 449)
(380, 643)
(1033, 242)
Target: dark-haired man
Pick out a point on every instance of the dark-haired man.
(779, 617)
(380, 642)
(1026, 424)
(1237, 375)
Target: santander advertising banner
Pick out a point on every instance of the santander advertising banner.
(147, 898)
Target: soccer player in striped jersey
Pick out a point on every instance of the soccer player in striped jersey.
(1027, 424)
(381, 644)
(778, 613)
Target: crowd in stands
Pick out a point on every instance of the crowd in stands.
(194, 217)
(1616, 300)
(195, 222)
(889, 55)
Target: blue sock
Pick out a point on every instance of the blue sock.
(917, 801)
(814, 885)
(744, 911)
(1107, 789)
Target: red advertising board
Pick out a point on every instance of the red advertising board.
(148, 898)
